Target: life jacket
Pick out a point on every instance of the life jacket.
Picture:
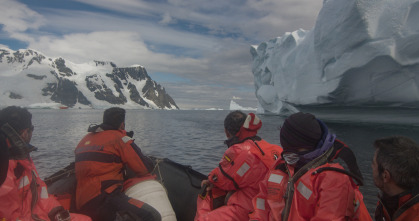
(239, 172)
(289, 195)
(269, 154)
(24, 195)
(407, 210)
(100, 163)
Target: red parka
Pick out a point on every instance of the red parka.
(24, 196)
(100, 160)
(240, 170)
(319, 194)
(408, 209)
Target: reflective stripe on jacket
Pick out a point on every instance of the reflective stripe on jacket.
(241, 169)
(100, 159)
(328, 195)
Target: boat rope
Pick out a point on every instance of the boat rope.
(63, 173)
(157, 166)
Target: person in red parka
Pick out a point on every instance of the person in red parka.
(395, 171)
(23, 195)
(305, 184)
(233, 184)
(101, 158)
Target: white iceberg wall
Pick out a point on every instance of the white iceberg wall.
(236, 106)
(360, 52)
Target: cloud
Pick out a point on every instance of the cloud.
(17, 18)
(167, 19)
(206, 42)
(123, 48)
(75, 22)
(259, 20)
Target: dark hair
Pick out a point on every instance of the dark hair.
(233, 122)
(113, 117)
(400, 156)
(17, 117)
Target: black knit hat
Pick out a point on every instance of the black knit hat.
(113, 117)
(300, 130)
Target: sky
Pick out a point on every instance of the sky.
(198, 50)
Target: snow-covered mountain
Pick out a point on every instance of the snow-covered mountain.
(28, 78)
(359, 53)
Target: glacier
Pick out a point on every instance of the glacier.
(360, 54)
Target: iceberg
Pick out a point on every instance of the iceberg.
(236, 106)
(360, 54)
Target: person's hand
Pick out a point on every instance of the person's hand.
(207, 184)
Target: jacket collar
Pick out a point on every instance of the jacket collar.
(235, 140)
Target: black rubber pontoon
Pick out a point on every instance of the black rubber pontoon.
(181, 182)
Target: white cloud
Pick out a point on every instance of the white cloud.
(162, 36)
(167, 19)
(256, 19)
(17, 18)
(75, 22)
(123, 48)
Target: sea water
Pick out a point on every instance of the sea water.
(191, 137)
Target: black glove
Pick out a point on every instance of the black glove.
(130, 133)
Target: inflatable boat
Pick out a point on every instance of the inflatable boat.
(181, 182)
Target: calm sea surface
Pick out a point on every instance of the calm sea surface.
(192, 137)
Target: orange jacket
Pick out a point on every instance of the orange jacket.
(24, 196)
(326, 195)
(408, 209)
(242, 167)
(100, 160)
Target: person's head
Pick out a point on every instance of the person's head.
(238, 126)
(20, 119)
(233, 122)
(115, 118)
(395, 164)
(301, 132)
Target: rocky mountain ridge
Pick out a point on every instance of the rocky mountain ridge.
(28, 77)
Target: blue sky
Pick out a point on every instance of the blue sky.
(199, 50)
